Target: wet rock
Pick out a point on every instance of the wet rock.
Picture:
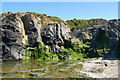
(35, 74)
(60, 57)
(69, 57)
(23, 71)
(67, 65)
(79, 59)
(62, 70)
(54, 63)
(36, 70)
(44, 70)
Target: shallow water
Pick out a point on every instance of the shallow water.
(41, 69)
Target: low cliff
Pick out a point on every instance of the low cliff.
(21, 31)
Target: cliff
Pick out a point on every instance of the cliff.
(24, 32)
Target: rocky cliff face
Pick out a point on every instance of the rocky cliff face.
(12, 37)
(54, 36)
(25, 29)
(22, 30)
(32, 28)
(104, 39)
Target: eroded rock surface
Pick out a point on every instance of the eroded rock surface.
(29, 29)
(32, 28)
(12, 37)
(54, 36)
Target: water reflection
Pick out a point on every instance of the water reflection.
(39, 69)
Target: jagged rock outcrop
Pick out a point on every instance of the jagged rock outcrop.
(106, 38)
(54, 36)
(83, 34)
(21, 30)
(103, 38)
(0, 42)
(12, 37)
(32, 28)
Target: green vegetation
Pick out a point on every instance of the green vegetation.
(40, 53)
(101, 40)
(102, 51)
(77, 50)
(26, 41)
(38, 14)
(42, 21)
(53, 18)
(79, 23)
(49, 18)
(38, 22)
(52, 23)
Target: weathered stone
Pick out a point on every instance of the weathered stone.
(36, 74)
(54, 36)
(32, 28)
(12, 37)
(20, 27)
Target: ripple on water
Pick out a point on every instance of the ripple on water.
(43, 69)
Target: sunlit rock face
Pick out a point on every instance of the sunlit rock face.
(12, 37)
(32, 28)
(19, 28)
(54, 36)
(22, 30)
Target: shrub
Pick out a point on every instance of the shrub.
(40, 53)
(77, 46)
(38, 14)
(78, 50)
(38, 22)
(67, 44)
(72, 53)
(53, 18)
(42, 21)
(26, 41)
(103, 51)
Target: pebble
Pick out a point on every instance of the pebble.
(36, 74)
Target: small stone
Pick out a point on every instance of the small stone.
(34, 74)
(106, 64)
(54, 63)
(79, 59)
